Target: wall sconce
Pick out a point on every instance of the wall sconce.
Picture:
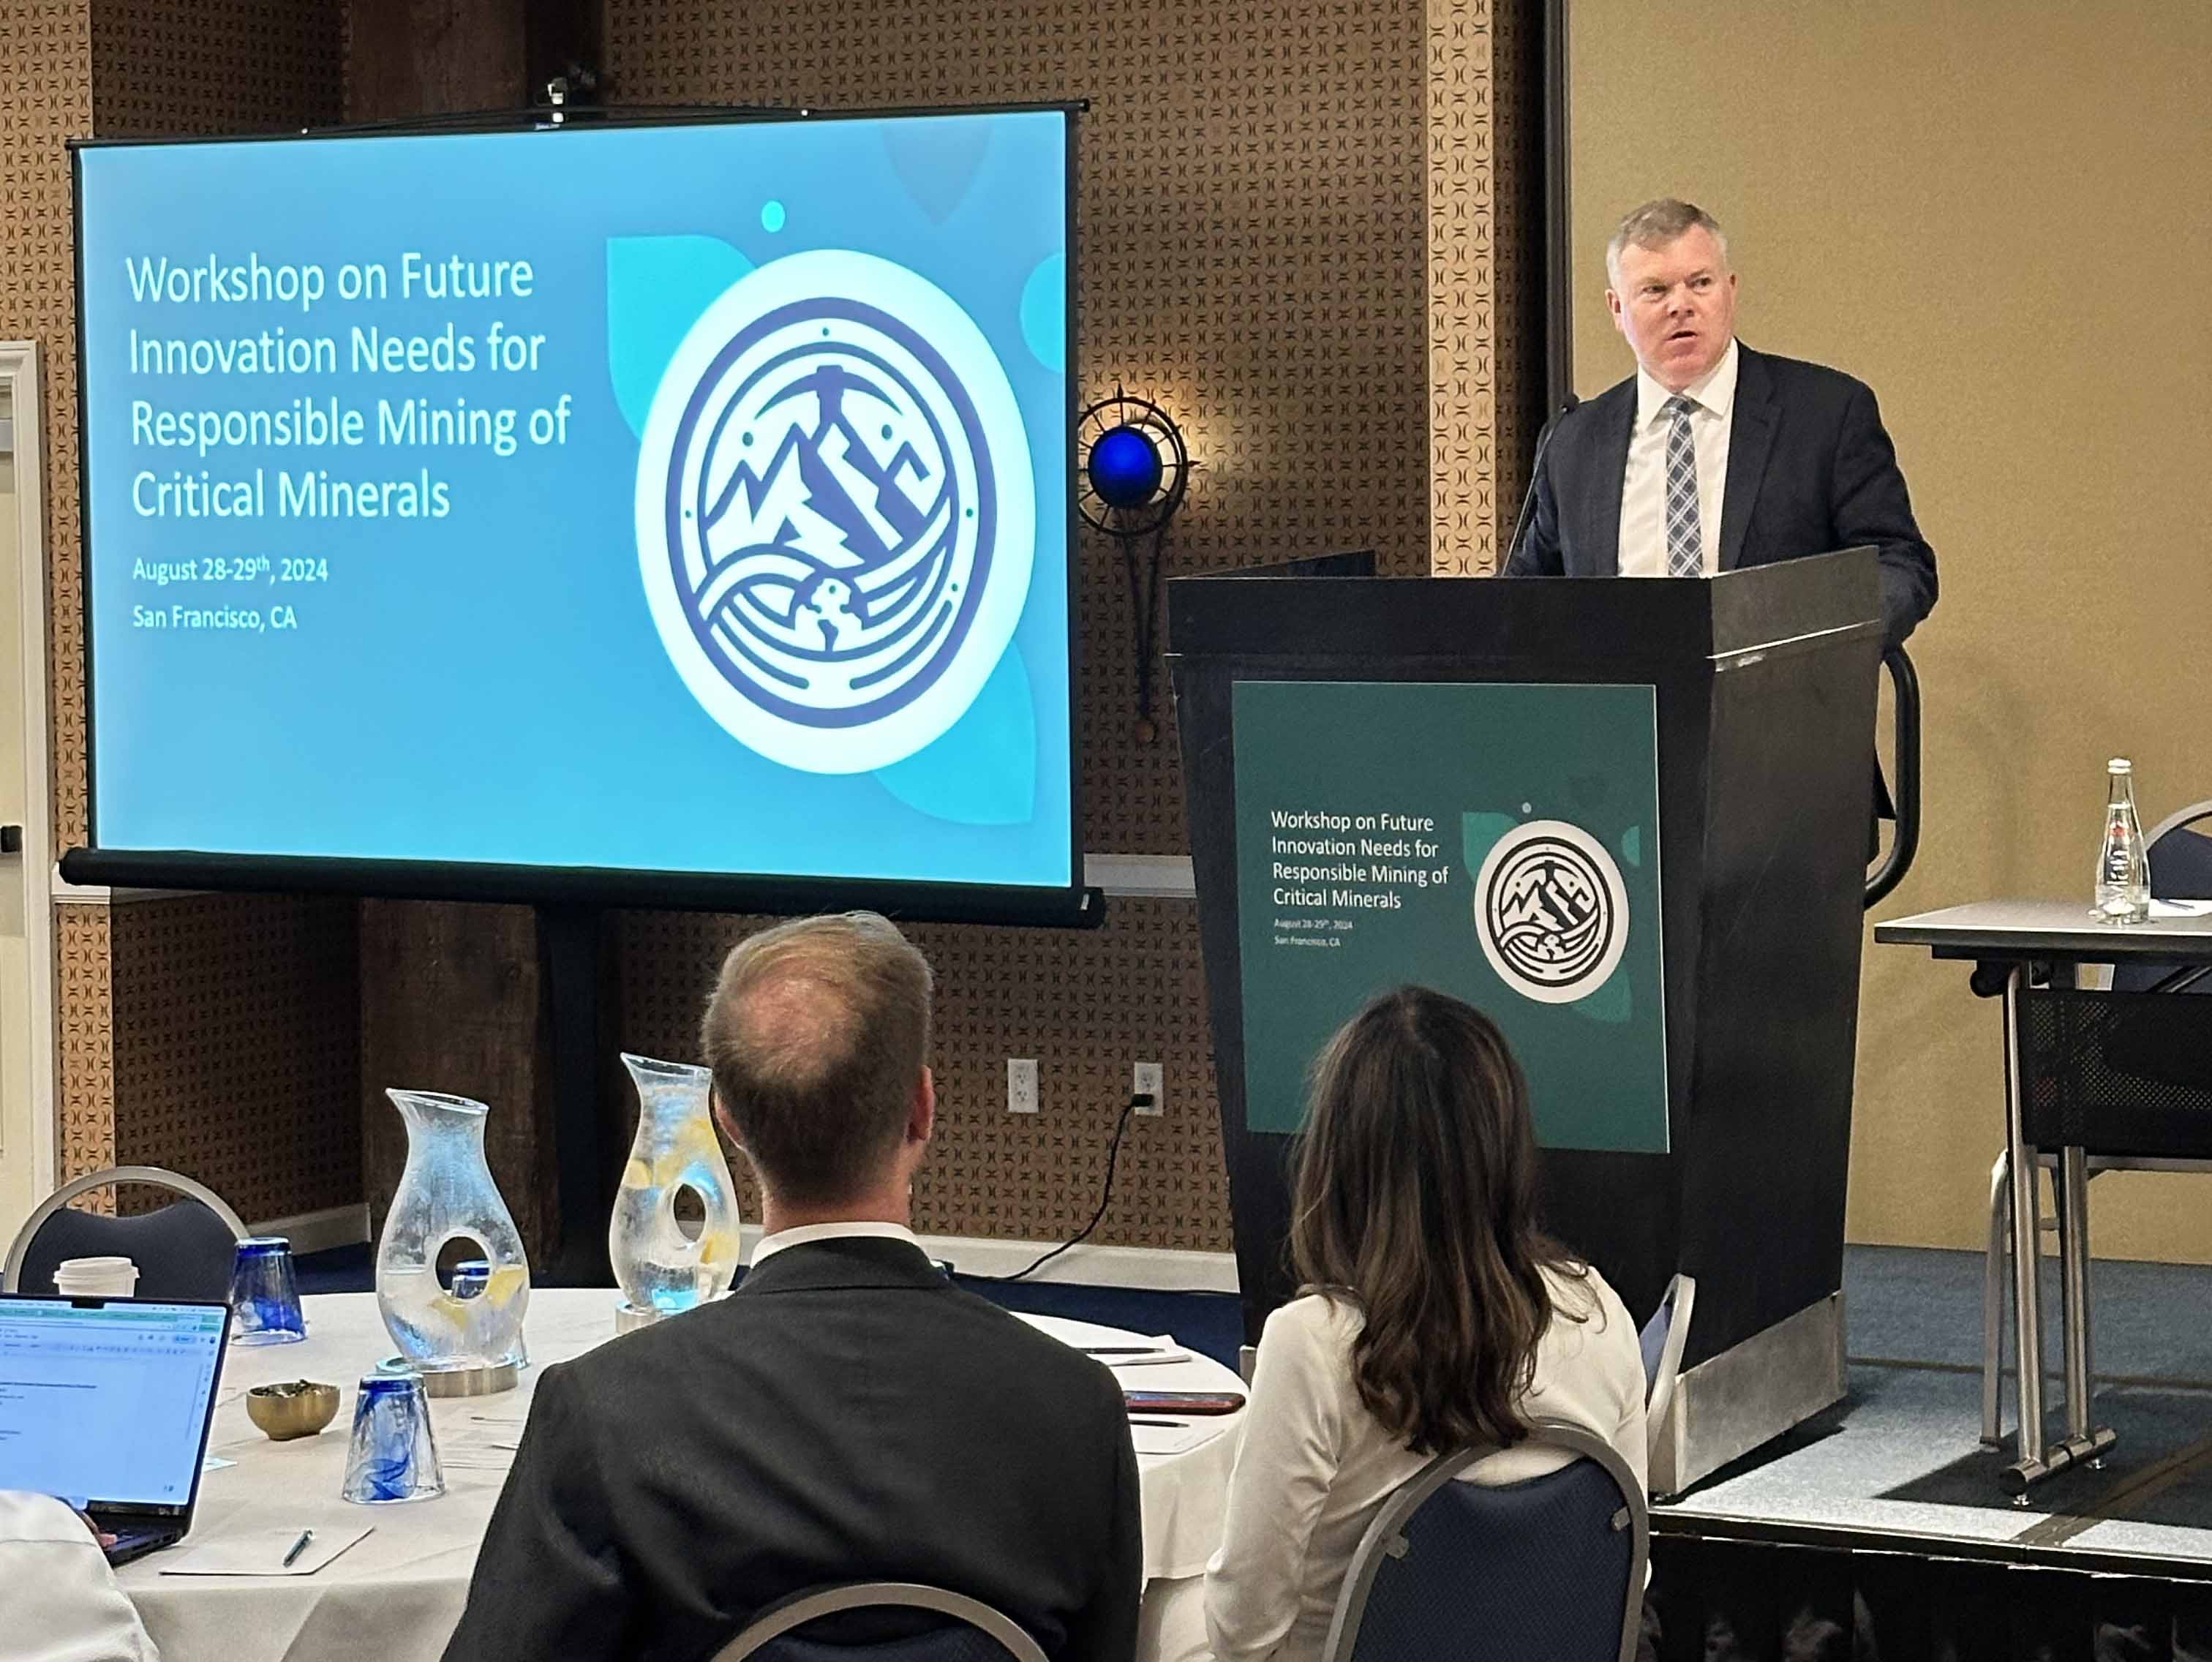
(1132, 469)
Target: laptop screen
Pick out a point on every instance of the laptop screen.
(107, 1404)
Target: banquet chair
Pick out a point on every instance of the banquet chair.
(1552, 1567)
(2141, 1072)
(186, 1249)
(974, 1633)
(1662, 1342)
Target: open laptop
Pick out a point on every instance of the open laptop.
(105, 1403)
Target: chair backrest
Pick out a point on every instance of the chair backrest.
(2180, 859)
(971, 1631)
(1552, 1567)
(186, 1249)
(1661, 1341)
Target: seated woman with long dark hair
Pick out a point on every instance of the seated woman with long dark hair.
(1434, 1316)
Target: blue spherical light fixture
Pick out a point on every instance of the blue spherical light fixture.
(1132, 469)
(1131, 466)
(1125, 467)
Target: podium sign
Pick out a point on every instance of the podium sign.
(1496, 841)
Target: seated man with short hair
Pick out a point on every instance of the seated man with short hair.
(847, 1414)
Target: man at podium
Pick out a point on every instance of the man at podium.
(1712, 456)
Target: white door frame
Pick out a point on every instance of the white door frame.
(19, 365)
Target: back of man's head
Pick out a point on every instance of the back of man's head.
(817, 1034)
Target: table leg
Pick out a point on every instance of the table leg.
(2027, 1309)
(1995, 1258)
(2074, 1283)
(2083, 1442)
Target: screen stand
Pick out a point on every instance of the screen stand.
(572, 943)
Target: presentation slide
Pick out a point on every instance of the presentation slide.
(687, 499)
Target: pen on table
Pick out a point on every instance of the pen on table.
(1171, 1424)
(298, 1547)
(1123, 1350)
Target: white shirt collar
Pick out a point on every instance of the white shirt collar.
(1713, 392)
(768, 1246)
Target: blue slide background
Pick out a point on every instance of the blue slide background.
(489, 686)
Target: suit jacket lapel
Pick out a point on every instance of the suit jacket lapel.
(1751, 440)
(1610, 444)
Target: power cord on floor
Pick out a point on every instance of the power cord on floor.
(1140, 1100)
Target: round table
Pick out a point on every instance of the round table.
(397, 1595)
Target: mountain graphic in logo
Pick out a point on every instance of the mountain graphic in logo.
(1551, 911)
(836, 512)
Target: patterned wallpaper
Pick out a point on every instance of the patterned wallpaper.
(45, 97)
(1086, 1005)
(214, 1035)
(237, 1047)
(1485, 275)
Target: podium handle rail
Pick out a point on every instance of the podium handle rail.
(1906, 843)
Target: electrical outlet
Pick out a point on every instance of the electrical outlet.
(1149, 1079)
(1021, 1085)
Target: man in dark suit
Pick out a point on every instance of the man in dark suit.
(1711, 456)
(847, 1414)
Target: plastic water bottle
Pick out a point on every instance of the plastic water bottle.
(2122, 873)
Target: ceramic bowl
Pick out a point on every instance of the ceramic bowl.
(298, 1409)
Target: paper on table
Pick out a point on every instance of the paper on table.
(261, 1552)
(1170, 1351)
(2180, 908)
(480, 1443)
(215, 1463)
(1174, 1439)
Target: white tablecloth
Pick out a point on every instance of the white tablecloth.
(397, 1595)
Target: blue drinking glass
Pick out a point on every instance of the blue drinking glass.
(264, 1294)
(393, 1455)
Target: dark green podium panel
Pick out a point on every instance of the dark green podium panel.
(1496, 841)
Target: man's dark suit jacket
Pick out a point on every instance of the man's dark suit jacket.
(846, 1415)
(1810, 470)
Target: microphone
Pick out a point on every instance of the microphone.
(1528, 495)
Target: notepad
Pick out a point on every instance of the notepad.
(261, 1552)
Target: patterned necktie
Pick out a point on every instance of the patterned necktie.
(1686, 553)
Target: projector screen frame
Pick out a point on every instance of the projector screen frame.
(1075, 906)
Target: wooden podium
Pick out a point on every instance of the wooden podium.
(1646, 805)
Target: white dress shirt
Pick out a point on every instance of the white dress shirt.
(62, 1603)
(1316, 1465)
(1644, 486)
(768, 1246)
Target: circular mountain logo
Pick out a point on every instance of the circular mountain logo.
(1551, 911)
(835, 514)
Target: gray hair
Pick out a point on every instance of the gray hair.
(1656, 224)
(815, 1034)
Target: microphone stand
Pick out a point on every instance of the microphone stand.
(1528, 494)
